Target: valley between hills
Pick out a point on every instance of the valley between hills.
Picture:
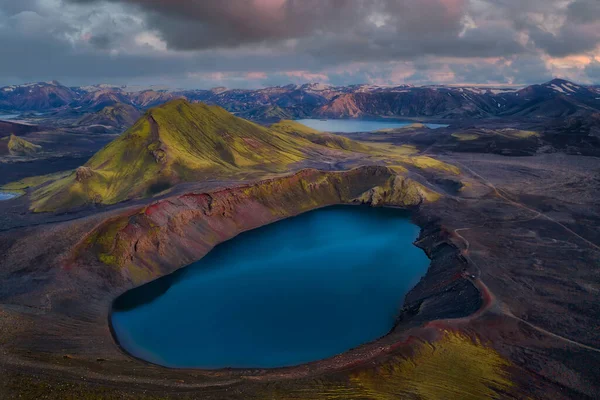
(505, 195)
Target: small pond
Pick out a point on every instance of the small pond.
(299, 290)
(8, 195)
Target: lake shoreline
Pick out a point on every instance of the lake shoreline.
(346, 125)
(341, 254)
(92, 342)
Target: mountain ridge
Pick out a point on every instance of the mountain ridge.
(553, 99)
(118, 115)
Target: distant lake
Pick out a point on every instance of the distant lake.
(15, 116)
(299, 290)
(8, 195)
(357, 125)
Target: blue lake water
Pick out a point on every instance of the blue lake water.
(357, 125)
(299, 290)
(15, 116)
(8, 195)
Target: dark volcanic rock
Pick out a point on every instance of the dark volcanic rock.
(8, 128)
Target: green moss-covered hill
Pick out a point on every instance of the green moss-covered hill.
(267, 113)
(174, 143)
(321, 138)
(16, 146)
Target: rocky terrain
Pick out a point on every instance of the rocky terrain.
(36, 96)
(507, 206)
(115, 116)
(8, 128)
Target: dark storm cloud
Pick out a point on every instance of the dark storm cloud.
(578, 21)
(579, 33)
(350, 29)
(193, 24)
(570, 40)
(375, 29)
(477, 42)
(584, 11)
(14, 7)
(593, 71)
(516, 70)
(187, 40)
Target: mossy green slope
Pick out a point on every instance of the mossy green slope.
(455, 367)
(321, 138)
(270, 113)
(33, 181)
(182, 142)
(390, 153)
(16, 146)
(173, 143)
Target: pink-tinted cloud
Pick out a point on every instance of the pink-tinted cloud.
(256, 75)
(308, 76)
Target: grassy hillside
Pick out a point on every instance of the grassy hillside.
(267, 113)
(173, 143)
(182, 142)
(404, 129)
(16, 146)
(33, 181)
(321, 138)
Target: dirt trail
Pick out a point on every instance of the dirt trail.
(499, 193)
(492, 302)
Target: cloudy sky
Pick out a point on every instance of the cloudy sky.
(255, 43)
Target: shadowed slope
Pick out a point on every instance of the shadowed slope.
(117, 115)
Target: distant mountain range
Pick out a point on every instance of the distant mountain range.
(555, 99)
